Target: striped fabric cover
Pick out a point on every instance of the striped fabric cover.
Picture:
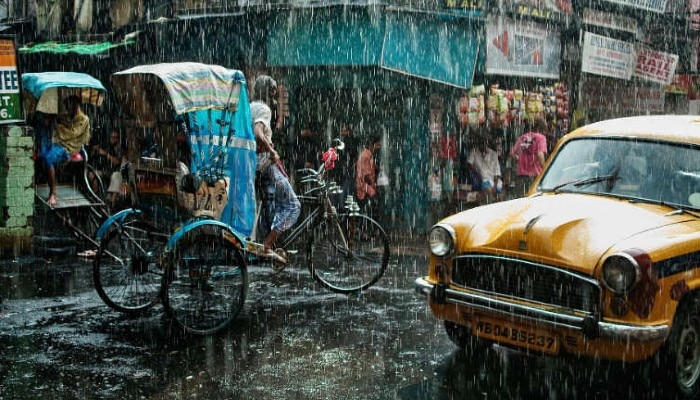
(195, 86)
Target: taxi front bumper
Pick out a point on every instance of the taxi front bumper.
(589, 325)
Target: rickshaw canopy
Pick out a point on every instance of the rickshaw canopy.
(47, 89)
(212, 102)
(189, 86)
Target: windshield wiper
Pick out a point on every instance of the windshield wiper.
(588, 181)
(681, 211)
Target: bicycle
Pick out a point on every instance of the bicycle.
(345, 252)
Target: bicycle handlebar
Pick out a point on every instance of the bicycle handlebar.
(307, 170)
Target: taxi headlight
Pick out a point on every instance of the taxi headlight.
(441, 240)
(621, 273)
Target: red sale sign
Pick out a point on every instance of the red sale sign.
(655, 66)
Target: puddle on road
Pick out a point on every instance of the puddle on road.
(32, 277)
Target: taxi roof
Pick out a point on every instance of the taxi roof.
(677, 128)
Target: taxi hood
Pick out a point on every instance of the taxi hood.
(570, 230)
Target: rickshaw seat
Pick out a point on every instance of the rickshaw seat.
(191, 183)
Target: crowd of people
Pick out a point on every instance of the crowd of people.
(494, 174)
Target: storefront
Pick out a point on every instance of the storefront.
(377, 69)
(520, 80)
(622, 71)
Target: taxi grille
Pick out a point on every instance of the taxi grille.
(526, 280)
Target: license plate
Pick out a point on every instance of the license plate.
(516, 335)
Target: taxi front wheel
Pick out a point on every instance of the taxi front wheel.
(679, 359)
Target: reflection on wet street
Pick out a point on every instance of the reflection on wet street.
(294, 340)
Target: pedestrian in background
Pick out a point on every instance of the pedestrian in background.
(346, 170)
(366, 176)
(529, 152)
(484, 160)
(308, 148)
(108, 161)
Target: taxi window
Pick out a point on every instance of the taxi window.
(646, 170)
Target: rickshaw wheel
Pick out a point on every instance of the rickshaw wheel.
(206, 280)
(127, 269)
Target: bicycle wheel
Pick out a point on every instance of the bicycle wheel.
(348, 254)
(206, 280)
(127, 270)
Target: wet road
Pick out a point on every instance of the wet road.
(294, 340)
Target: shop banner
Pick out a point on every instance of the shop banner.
(694, 11)
(688, 85)
(548, 10)
(614, 98)
(10, 105)
(522, 48)
(610, 20)
(607, 57)
(658, 6)
(655, 66)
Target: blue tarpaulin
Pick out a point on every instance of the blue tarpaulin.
(209, 130)
(37, 83)
(49, 88)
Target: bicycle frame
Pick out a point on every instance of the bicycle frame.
(321, 209)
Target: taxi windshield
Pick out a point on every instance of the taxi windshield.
(654, 171)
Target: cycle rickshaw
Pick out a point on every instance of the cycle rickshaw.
(79, 187)
(200, 270)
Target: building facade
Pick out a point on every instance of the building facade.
(425, 75)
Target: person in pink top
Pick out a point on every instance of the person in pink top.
(529, 153)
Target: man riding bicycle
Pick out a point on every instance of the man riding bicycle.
(280, 206)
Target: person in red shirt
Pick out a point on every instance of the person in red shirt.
(529, 152)
(366, 174)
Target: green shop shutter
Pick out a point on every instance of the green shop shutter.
(325, 36)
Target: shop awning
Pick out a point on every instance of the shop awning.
(438, 47)
(324, 37)
(79, 48)
(441, 47)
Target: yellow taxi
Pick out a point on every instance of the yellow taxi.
(601, 258)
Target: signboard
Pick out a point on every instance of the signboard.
(617, 98)
(547, 10)
(465, 4)
(655, 66)
(10, 104)
(685, 84)
(430, 47)
(658, 6)
(607, 57)
(610, 20)
(525, 48)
